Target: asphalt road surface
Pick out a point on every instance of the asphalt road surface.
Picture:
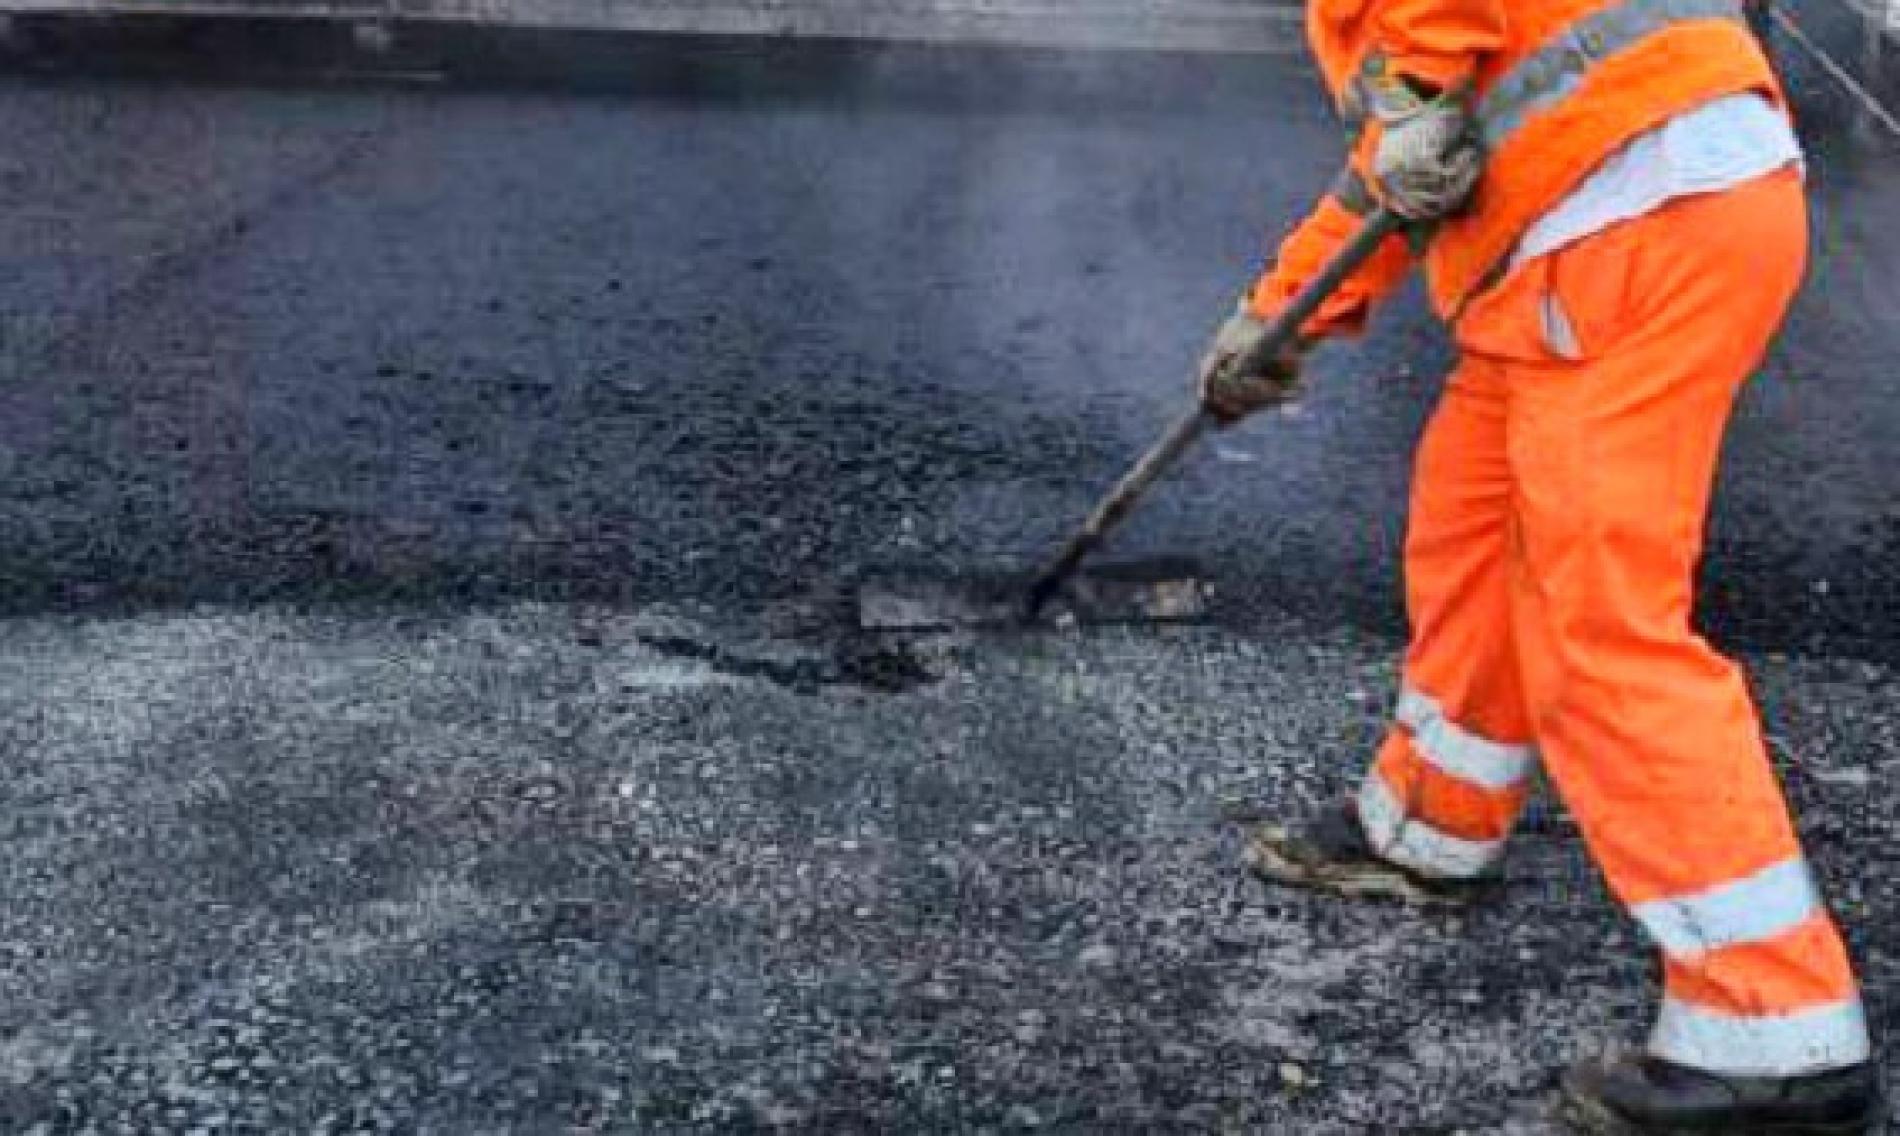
(428, 695)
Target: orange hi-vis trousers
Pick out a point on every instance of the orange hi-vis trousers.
(1556, 523)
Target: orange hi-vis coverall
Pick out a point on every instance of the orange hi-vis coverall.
(1559, 501)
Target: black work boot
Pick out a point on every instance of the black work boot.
(1330, 852)
(1634, 1094)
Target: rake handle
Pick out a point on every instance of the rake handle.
(1187, 429)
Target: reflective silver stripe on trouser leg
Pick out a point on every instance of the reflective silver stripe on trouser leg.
(1454, 750)
(1412, 843)
(1754, 909)
(1770, 1045)
(1456, 753)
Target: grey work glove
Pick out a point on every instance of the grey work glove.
(1229, 393)
(1428, 156)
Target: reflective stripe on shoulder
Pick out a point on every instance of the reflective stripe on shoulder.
(1458, 751)
(1772, 1045)
(1554, 70)
(1411, 843)
(1775, 900)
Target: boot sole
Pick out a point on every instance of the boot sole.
(1370, 881)
(1594, 1118)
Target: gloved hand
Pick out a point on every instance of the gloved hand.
(1231, 394)
(1428, 155)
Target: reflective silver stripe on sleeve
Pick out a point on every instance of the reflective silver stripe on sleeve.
(1549, 74)
(1774, 900)
(1458, 751)
(1772, 1045)
(1353, 194)
(1411, 843)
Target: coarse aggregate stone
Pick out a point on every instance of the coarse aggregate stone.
(516, 869)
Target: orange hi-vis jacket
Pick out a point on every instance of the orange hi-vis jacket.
(1559, 86)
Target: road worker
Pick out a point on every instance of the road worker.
(1606, 196)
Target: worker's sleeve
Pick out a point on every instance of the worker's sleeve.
(1437, 43)
(1306, 251)
(1440, 42)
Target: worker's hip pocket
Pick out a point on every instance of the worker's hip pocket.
(1566, 306)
